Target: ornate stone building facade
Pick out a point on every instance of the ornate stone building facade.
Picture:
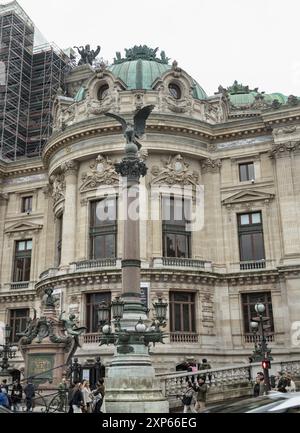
(239, 149)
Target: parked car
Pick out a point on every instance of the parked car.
(275, 402)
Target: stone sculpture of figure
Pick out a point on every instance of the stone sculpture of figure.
(71, 326)
(134, 130)
(50, 300)
(87, 55)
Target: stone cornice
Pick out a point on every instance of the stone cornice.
(15, 169)
(9, 297)
(171, 276)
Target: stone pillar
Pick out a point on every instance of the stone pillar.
(69, 219)
(290, 228)
(213, 227)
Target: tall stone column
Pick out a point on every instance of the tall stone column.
(290, 228)
(213, 227)
(69, 169)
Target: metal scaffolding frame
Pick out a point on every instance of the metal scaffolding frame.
(32, 78)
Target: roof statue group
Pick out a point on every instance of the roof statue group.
(87, 55)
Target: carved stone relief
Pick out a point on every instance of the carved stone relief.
(58, 187)
(175, 171)
(102, 173)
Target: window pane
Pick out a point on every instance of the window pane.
(244, 219)
(99, 247)
(256, 218)
(243, 173)
(181, 246)
(104, 211)
(258, 246)
(21, 246)
(177, 309)
(110, 246)
(170, 245)
(251, 171)
(186, 317)
(246, 251)
(29, 245)
(18, 273)
(27, 266)
(181, 297)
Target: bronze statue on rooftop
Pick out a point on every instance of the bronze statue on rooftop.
(87, 55)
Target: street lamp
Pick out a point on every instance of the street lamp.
(7, 351)
(261, 350)
(103, 314)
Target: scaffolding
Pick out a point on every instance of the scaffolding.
(32, 76)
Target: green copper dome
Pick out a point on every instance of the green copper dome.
(242, 99)
(141, 68)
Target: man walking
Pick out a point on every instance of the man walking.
(29, 392)
(201, 390)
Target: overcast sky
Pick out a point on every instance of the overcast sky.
(216, 41)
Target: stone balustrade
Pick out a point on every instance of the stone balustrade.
(252, 265)
(184, 337)
(174, 262)
(100, 263)
(92, 338)
(250, 338)
(224, 383)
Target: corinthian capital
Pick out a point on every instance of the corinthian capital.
(69, 167)
(211, 165)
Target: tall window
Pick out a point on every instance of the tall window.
(59, 239)
(182, 312)
(249, 300)
(176, 238)
(103, 228)
(18, 322)
(22, 262)
(247, 171)
(92, 302)
(26, 204)
(251, 237)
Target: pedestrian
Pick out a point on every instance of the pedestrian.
(87, 396)
(4, 386)
(99, 394)
(70, 397)
(77, 399)
(201, 390)
(4, 399)
(205, 365)
(187, 398)
(291, 386)
(29, 392)
(260, 387)
(62, 394)
(282, 382)
(16, 396)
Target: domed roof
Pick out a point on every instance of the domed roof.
(141, 68)
(241, 96)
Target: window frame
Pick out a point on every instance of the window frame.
(266, 299)
(23, 204)
(91, 309)
(175, 228)
(249, 177)
(13, 320)
(251, 229)
(107, 229)
(192, 312)
(22, 255)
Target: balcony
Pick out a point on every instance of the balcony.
(21, 285)
(184, 337)
(96, 264)
(252, 265)
(92, 338)
(174, 262)
(250, 338)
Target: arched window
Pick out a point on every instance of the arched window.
(103, 92)
(175, 91)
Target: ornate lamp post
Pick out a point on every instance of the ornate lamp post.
(131, 383)
(261, 350)
(7, 351)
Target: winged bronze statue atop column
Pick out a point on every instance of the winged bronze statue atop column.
(135, 130)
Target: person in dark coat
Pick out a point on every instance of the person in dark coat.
(16, 396)
(29, 392)
(201, 388)
(98, 394)
(4, 399)
(77, 399)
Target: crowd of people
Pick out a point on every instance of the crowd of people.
(283, 382)
(78, 396)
